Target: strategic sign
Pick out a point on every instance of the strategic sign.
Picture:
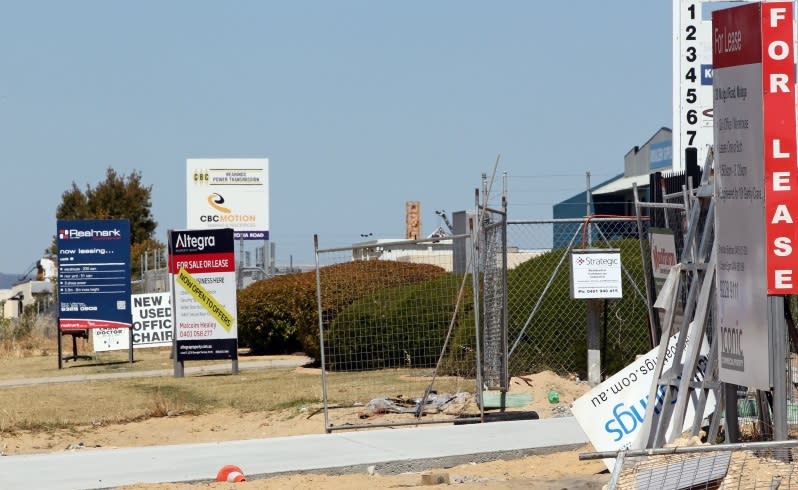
(596, 274)
(229, 193)
(93, 274)
(755, 179)
(202, 267)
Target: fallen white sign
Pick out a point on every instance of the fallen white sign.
(612, 413)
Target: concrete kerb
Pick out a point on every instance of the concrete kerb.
(399, 467)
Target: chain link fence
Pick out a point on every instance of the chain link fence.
(397, 334)
(395, 339)
(547, 330)
(493, 266)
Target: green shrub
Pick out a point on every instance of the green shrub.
(268, 312)
(365, 308)
(280, 314)
(402, 326)
(553, 340)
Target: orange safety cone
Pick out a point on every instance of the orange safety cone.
(230, 473)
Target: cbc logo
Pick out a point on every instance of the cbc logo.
(216, 200)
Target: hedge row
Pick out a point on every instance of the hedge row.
(558, 341)
(401, 326)
(366, 306)
(280, 314)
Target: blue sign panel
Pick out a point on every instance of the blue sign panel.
(93, 274)
(660, 155)
(706, 75)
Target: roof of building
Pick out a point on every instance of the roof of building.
(625, 183)
(622, 184)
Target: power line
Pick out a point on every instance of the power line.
(545, 176)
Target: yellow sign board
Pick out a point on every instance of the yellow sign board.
(205, 298)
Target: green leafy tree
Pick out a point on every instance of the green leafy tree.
(117, 197)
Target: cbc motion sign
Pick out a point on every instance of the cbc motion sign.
(229, 193)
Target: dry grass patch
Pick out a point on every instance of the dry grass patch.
(63, 406)
(41, 407)
(164, 405)
(29, 336)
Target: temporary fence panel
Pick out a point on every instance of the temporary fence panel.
(493, 268)
(690, 463)
(397, 334)
(546, 328)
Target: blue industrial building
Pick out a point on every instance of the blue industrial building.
(615, 196)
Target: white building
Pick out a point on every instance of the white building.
(439, 253)
(20, 295)
(28, 291)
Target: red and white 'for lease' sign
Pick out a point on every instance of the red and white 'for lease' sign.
(756, 191)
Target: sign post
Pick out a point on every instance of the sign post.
(663, 255)
(202, 269)
(93, 279)
(692, 83)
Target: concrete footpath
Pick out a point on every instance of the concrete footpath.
(390, 451)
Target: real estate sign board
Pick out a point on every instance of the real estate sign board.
(229, 193)
(202, 268)
(663, 254)
(93, 274)
(755, 179)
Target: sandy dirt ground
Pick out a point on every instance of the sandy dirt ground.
(552, 471)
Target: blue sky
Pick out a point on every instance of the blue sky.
(360, 106)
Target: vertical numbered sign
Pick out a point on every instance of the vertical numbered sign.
(692, 82)
(202, 267)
